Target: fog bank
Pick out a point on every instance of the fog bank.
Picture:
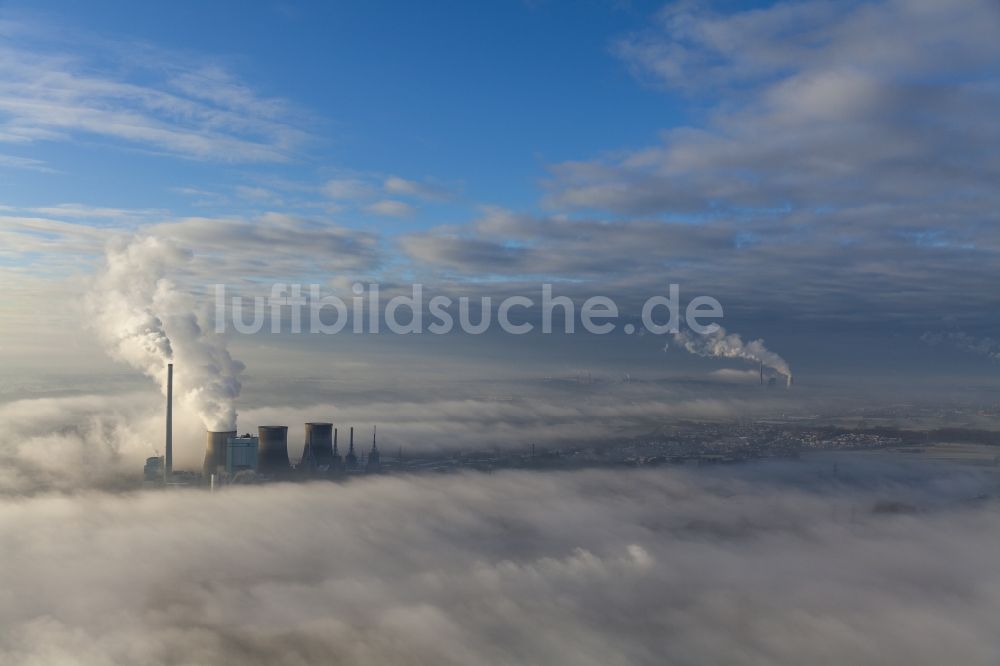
(758, 565)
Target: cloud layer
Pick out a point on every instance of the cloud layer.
(136, 95)
(835, 167)
(581, 568)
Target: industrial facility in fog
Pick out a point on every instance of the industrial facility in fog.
(230, 457)
(261, 457)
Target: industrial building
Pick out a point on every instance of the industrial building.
(241, 453)
(153, 469)
(264, 456)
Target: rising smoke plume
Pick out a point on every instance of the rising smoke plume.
(730, 345)
(145, 321)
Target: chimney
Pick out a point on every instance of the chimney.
(761, 374)
(351, 459)
(374, 457)
(168, 457)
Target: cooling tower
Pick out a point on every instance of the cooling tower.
(272, 449)
(215, 450)
(319, 439)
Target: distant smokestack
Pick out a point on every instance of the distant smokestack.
(351, 460)
(168, 456)
(788, 384)
(272, 451)
(215, 450)
(761, 374)
(374, 457)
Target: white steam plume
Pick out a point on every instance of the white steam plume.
(143, 320)
(730, 345)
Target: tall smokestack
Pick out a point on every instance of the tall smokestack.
(761, 374)
(168, 456)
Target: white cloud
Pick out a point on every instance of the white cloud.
(193, 111)
(390, 208)
(403, 187)
(588, 569)
(348, 189)
(735, 375)
(272, 245)
(828, 146)
(258, 194)
(696, 49)
(84, 211)
(813, 104)
(25, 163)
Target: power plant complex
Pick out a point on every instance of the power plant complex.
(231, 458)
(264, 456)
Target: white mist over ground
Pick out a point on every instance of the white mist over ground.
(69, 443)
(768, 564)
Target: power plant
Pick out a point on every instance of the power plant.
(262, 457)
(233, 458)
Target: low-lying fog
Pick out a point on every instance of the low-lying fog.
(832, 560)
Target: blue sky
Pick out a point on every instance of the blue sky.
(826, 170)
(479, 97)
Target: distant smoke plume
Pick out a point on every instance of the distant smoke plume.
(730, 345)
(143, 320)
(987, 347)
